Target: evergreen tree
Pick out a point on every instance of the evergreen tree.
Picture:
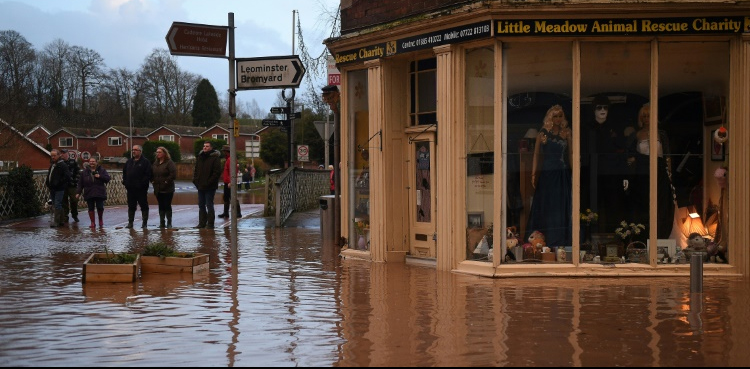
(206, 110)
(275, 148)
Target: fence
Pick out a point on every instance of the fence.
(116, 194)
(294, 189)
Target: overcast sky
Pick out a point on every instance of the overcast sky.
(125, 32)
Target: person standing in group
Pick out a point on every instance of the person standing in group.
(227, 178)
(57, 182)
(165, 172)
(252, 173)
(332, 181)
(93, 186)
(136, 176)
(70, 203)
(246, 178)
(206, 179)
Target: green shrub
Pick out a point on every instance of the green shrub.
(19, 186)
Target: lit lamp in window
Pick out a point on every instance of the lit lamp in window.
(692, 223)
(527, 142)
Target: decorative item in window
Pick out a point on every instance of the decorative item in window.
(717, 148)
(475, 219)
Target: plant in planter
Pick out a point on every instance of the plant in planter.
(111, 267)
(159, 258)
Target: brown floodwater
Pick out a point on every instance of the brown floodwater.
(292, 301)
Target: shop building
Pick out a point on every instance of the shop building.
(513, 138)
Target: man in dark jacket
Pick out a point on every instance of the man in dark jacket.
(57, 182)
(206, 180)
(136, 176)
(70, 202)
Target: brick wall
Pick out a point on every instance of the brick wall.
(365, 13)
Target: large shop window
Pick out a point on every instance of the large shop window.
(693, 90)
(480, 139)
(614, 195)
(359, 169)
(537, 151)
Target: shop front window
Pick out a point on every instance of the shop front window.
(693, 90)
(480, 140)
(614, 195)
(359, 170)
(537, 153)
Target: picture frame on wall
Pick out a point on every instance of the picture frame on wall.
(718, 150)
(714, 110)
(475, 219)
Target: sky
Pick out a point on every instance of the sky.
(125, 32)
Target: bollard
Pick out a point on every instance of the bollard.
(696, 272)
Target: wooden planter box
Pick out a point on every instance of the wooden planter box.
(110, 272)
(175, 264)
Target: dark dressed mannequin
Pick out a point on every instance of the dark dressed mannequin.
(603, 166)
(637, 185)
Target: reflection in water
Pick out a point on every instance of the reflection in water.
(293, 302)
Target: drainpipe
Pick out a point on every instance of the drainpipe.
(332, 97)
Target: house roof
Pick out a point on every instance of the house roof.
(244, 130)
(185, 131)
(125, 131)
(23, 136)
(79, 132)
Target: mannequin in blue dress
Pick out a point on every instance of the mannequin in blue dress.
(551, 178)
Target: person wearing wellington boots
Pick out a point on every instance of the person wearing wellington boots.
(93, 186)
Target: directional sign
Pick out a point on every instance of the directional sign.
(280, 110)
(269, 72)
(197, 40)
(274, 122)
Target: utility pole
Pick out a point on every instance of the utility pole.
(232, 143)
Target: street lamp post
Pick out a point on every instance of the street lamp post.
(130, 120)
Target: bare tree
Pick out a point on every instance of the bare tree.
(168, 91)
(86, 67)
(52, 66)
(17, 60)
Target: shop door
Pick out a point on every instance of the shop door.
(422, 209)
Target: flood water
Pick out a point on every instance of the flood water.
(292, 301)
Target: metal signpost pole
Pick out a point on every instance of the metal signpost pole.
(130, 119)
(232, 143)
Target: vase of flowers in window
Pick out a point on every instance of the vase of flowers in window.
(631, 234)
(587, 218)
(361, 227)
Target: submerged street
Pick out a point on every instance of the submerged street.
(294, 302)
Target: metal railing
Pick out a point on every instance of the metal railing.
(116, 194)
(294, 189)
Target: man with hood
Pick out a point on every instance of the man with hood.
(206, 179)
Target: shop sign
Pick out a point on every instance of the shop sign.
(618, 26)
(424, 41)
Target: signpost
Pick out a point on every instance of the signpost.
(334, 75)
(269, 72)
(303, 153)
(279, 110)
(275, 122)
(197, 40)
